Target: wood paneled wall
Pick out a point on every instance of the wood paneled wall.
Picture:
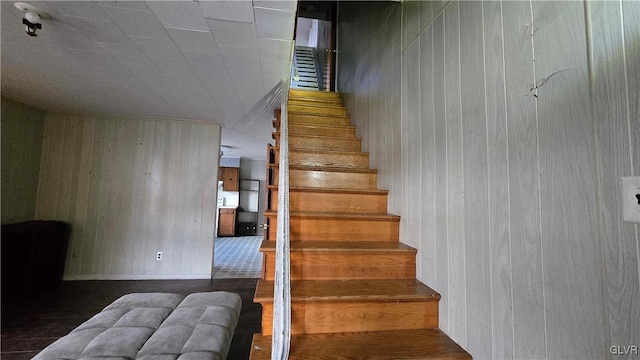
(129, 188)
(502, 144)
(22, 129)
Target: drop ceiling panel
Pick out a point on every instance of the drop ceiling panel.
(84, 9)
(157, 48)
(179, 14)
(194, 42)
(234, 33)
(125, 54)
(273, 49)
(278, 4)
(243, 73)
(136, 22)
(206, 63)
(274, 24)
(240, 56)
(126, 4)
(163, 59)
(98, 30)
(241, 11)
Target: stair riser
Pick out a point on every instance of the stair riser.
(344, 266)
(332, 202)
(307, 129)
(317, 110)
(353, 160)
(315, 102)
(326, 179)
(338, 229)
(321, 143)
(313, 94)
(297, 118)
(352, 316)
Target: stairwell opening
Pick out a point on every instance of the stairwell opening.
(315, 57)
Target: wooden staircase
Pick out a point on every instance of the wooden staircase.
(353, 291)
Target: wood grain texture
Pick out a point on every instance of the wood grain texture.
(333, 260)
(411, 148)
(612, 109)
(477, 245)
(344, 178)
(440, 173)
(403, 344)
(498, 176)
(335, 200)
(559, 268)
(317, 158)
(22, 129)
(312, 317)
(427, 267)
(524, 188)
(129, 188)
(340, 226)
(568, 179)
(455, 176)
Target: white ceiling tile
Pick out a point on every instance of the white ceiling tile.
(136, 22)
(234, 33)
(125, 54)
(273, 49)
(157, 48)
(84, 9)
(179, 14)
(178, 71)
(99, 30)
(240, 56)
(126, 4)
(195, 42)
(207, 60)
(232, 10)
(280, 68)
(287, 5)
(146, 71)
(274, 24)
(71, 40)
(243, 73)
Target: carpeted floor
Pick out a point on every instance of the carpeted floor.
(237, 257)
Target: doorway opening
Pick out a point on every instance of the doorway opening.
(315, 56)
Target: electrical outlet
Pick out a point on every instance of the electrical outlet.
(631, 199)
(159, 256)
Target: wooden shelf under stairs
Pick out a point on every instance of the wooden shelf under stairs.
(353, 289)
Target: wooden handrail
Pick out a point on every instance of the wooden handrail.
(281, 338)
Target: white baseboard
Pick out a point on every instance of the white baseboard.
(136, 277)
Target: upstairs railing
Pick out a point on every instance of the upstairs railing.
(281, 338)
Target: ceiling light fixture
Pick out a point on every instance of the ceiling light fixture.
(32, 18)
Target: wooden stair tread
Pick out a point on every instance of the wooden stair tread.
(276, 134)
(329, 169)
(350, 290)
(397, 344)
(298, 112)
(328, 152)
(319, 105)
(337, 215)
(321, 126)
(321, 246)
(334, 190)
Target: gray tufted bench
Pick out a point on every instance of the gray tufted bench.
(155, 326)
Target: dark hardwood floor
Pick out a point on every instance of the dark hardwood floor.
(29, 324)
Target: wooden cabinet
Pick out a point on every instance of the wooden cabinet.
(230, 178)
(227, 222)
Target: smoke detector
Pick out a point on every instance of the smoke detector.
(32, 18)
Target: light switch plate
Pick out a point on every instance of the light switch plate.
(631, 199)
